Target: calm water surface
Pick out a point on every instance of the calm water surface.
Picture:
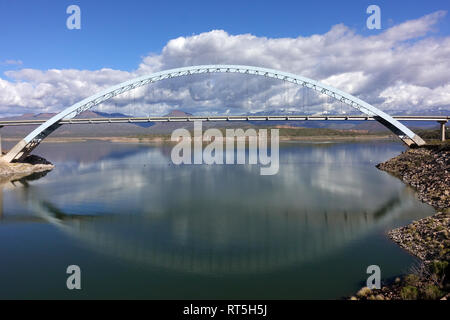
(140, 227)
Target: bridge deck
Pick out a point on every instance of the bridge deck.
(221, 118)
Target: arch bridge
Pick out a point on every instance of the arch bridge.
(26, 145)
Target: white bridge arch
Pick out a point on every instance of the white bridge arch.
(26, 145)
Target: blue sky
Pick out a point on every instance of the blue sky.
(402, 68)
(117, 34)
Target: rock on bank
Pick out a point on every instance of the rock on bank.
(31, 164)
(427, 169)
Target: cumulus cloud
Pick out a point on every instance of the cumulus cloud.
(403, 69)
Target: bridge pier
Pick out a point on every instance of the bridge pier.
(1, 150)
(442, 123)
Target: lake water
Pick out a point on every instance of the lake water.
(140, 227)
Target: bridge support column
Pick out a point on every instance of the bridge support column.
(1, 150)
(442, 123)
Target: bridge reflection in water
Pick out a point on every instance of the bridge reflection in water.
(218, 219)
(241, 246)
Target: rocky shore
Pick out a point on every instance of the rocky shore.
(30, 165)
(427, 170)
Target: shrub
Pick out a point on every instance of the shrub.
(431, 292)
(440, 272)
(412, 280)
(363, 292)
(409, 293)
(439, 267)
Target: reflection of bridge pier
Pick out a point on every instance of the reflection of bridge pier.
(1, 203)
(1, 150)
(442, 123)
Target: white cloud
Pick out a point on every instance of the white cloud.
(407, 95)
(403, 69)
(9, 62)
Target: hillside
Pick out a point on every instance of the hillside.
(164, 128)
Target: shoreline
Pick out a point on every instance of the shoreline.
(427, 170)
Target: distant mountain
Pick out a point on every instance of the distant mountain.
(168, 127)
(31, 116)
(97, 114)
(84, 115)
(178, 113)
(118, 129)
(165, 127)
(97, 130)
(371, 126)
(126, 129)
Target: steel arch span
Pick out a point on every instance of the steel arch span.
(26, 145)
